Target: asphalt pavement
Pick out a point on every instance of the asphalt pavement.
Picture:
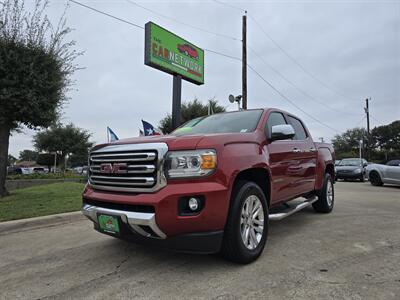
(352, 253)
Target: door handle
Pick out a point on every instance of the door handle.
(296, 150)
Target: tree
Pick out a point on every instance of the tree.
(386, 140)
(47, 159)
(36, 64)
(347, 144)
(65, 140)
(28, 155)
(189, 111)
(11, 160)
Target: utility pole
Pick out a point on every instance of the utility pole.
(176, 101)
(366, 109)
(244, 61)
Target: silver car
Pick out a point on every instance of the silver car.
(380, 174)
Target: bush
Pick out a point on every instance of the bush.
(45, 176)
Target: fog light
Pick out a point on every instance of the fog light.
(193, 204)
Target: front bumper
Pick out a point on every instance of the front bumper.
(160, 224)
(349, 175)
(132, 230)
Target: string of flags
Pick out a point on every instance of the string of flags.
(148, 130)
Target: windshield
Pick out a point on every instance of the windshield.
(353, 162)
(241, 121)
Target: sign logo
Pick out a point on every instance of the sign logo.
(172, 54)
(117, 168)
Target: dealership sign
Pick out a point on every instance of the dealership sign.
(170, 53)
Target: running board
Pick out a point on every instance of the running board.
(300, 206)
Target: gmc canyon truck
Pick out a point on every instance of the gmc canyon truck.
(212, 185)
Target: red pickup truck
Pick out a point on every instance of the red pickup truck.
(212, 185)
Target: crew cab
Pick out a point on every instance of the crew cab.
(212, 185)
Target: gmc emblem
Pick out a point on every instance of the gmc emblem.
(117, 168)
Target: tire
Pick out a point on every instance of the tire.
(234, 247)
(375, 178)
(326, 196)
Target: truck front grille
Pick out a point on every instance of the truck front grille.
(128, 168)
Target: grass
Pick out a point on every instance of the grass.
(41, 201)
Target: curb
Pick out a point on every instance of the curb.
(39, 222)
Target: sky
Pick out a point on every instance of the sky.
(322, 58)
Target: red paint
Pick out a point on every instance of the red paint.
(290, 175)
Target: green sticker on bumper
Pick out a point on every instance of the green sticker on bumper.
(108, 224)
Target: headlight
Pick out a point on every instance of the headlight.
(357, 171)
(196, 163)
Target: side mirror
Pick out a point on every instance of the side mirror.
(282, 132)
(365, 164)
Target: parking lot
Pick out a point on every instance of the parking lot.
(352, 253)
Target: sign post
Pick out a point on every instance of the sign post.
(176, 101)
(172, 54)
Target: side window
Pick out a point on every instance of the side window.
(393, 163)
(275, 118)
(298, 128)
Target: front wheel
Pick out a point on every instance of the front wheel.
(326, 196)
(247, 225)
(375, 179)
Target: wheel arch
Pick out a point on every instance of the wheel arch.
(261, 176)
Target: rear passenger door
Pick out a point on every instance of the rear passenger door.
(304, 171)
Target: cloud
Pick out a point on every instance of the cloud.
(353, 47)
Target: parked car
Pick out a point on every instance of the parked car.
(388, 173)
(39, 170)
(209, 187)
(351, 168)
(13, 170)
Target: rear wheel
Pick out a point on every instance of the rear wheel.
(326, 196)
(375, 178)
(247, 225)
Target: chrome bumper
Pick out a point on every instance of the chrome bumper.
(134, 220)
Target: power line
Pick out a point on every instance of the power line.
(218, 53)
(107, 14)
(182, 23)
(285, 52)
(290, 101)
(297, 87)
(295, 61)
(230, 5)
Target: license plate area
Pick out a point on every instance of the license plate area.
(109, 223)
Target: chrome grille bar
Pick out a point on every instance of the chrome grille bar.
(111, 166)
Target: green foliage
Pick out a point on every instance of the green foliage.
(43, 200)
(35, 65)
(387, 137)
(28, 155)
(190, 110)
(11, 160)
(65, 140)
(45, 176)
(384, 141)
(349, 141)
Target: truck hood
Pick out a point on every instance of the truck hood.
(187, 142)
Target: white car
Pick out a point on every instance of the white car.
(388, 173)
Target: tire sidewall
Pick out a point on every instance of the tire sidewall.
(328, 180)
(245, 191)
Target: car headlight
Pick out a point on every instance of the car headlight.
(357, 170)
(196, 163)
